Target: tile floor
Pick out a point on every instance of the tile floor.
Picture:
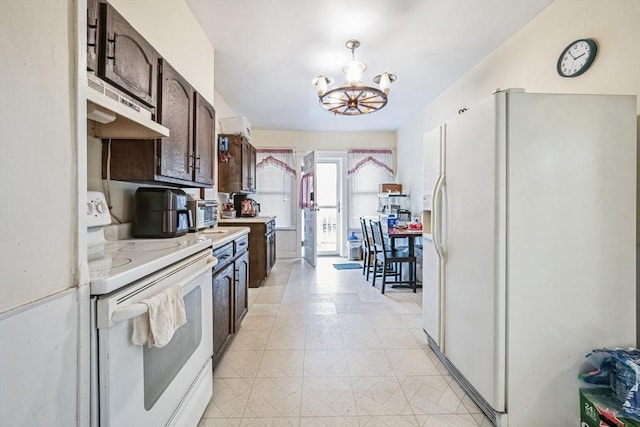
(322, 347)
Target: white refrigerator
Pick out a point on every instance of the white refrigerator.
(529, 247)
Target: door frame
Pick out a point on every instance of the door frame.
(339, 159)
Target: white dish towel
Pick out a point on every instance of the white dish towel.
(165, 315)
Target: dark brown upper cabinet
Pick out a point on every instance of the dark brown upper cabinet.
(236, 164)
(204, 141)
(175, 111)
(186, 157)
(126, 60)
(92, 34)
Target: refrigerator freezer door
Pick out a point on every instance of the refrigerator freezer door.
(472, 307)
(431, 272)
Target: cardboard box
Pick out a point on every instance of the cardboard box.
(236, 125)
(390, 188)
(599, 408)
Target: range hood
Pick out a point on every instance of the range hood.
(112, 115)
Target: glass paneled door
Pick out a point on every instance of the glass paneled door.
(328, 203)
(309, 208)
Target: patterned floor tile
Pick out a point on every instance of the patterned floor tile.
(323, 337)
(286, 339)
(327, 396)
(379, 396)
(397, 338)
(281, 363)
(238, 364)
(247, 339)
(389, 421)
(274, 397)
(431, 395)
(361, 339)
(325, 363)
(230, 396)
(368, 363)
(414, 361)
(328, 422)
(323, 348)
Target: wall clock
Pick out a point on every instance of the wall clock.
(576, 58)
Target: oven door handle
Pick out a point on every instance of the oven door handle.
(135, 309)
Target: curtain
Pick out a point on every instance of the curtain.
(382, 158)
(282, 158)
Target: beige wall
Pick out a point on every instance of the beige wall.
(325, 141)
(528, 60)
(38, 175)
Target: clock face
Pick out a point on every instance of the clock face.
(577, 58)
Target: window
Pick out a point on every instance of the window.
(276, 184)
(364, 193)
(367, 170)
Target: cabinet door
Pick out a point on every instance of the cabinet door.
(252, 168)
(230, 166)
(241, 284)
(272, 254)
(92, 35)
(223, 282)
(175, 112)
(127, 60)
(204, 140)
(246, 178)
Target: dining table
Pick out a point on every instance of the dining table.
(411, 234)
(395, 233)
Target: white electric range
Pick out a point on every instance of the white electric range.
(136, 384)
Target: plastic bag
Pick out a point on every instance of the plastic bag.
(618, 369)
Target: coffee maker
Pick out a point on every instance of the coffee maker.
(245, 206)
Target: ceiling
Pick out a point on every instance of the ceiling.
(267, 52)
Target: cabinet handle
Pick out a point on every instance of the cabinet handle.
(92, 30)
(198, 163)
(111, 42)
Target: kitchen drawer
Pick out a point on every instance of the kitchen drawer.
(224, 254)
(241, 244)
(271, 226)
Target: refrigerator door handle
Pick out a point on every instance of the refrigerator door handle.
(436, 220)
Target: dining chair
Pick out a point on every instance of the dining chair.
(389, 261)
(369, 263)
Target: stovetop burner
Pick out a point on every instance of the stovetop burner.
(107, 263)
(133, 246)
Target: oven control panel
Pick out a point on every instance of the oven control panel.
(97, 210)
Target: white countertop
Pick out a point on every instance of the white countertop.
(220, 236)
(258, 219)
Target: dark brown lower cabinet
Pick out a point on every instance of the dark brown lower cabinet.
(223, 284)
(241, 265)
(262, 246)
(230, 303)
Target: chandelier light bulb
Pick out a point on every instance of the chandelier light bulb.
(353, 70)
(321, 83)
(385, 83)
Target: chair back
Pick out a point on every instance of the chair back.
(378, 239)
(366, 235)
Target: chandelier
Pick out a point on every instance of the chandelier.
(354, 98)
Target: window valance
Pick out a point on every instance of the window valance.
(283, 158)
(382, 158)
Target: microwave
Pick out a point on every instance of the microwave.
(204, 214)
